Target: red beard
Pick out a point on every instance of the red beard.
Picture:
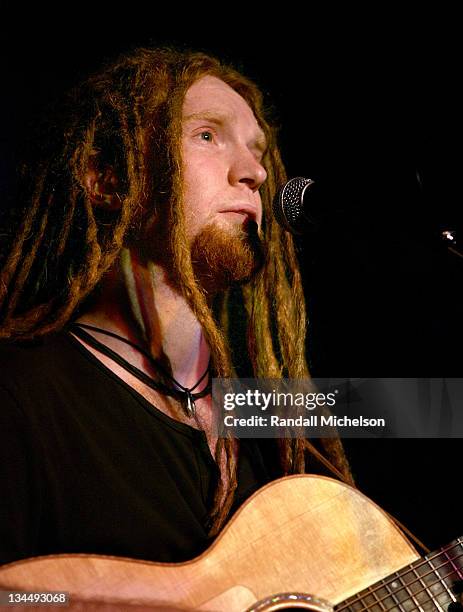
(223, 257)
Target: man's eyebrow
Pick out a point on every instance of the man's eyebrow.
(214, 116)
(219, 118)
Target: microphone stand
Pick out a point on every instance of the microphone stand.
(449, 238)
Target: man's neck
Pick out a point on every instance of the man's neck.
(170, 327)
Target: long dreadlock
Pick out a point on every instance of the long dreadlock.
(60, 245)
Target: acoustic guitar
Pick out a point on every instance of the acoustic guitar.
(304, 541)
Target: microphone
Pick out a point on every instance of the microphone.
(298, 206)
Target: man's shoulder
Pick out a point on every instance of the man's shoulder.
(49, 375)
(33, 359)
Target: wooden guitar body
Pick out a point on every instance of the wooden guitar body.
(304, 534)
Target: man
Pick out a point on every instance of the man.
(141, 218)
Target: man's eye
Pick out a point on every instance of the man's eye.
(206, 136)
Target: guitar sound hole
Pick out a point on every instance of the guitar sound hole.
(293, 602)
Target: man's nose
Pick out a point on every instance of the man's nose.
(246, 169)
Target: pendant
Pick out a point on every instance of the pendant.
(189, 405)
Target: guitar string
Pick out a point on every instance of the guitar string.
(384, 584)
(393, 597)
(440, 582)
(431, 597)
(402, 588)
(447, 589)
(427, 588)
(456, 570)
(444, 550)
(397, 602)
(410, 595)
(378, 601)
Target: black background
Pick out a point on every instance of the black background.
(369, 104)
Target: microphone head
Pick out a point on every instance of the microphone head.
(288, 205)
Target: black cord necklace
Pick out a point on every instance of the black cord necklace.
(183, 394)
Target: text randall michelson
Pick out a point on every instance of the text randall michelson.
(300, 421)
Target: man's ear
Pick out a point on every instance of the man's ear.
(101, 184)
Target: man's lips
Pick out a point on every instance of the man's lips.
(244, 209)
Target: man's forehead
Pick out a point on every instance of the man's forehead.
(208, 84)
(212, 99)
